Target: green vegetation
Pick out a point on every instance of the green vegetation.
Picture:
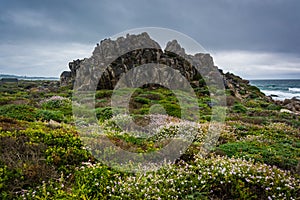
(42, 155)
(21, 112)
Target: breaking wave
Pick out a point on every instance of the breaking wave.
(294, 89)
(281, 95)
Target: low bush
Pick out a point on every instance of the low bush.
(142, 100)
(47, 115)
(104, 113)
(39, 160)
(21, 112)
(252, 104)
(239, 108)
(103, 93)
(273, 107)
(23, 163)
(283, 156)
(58, 103)
(204, 178)
(172, 109)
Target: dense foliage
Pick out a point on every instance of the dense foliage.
(42, 156)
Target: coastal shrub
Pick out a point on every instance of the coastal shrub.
(103, 93)
(227, 134)
(254, 92)
(172, 109)
(254, 89)
(101, 101)
(161, 129)
(273, 107)
(202, 82)
(36, 154)
(153, 95)
(142, 100)
(242, 92)
(205, 178)
(6, 100)
(47, 115)
(4, 177)
(257, 146)
(66, 88)
(182, 129)
(10, 124)
(97, 186)
(142, 111)
(24, 164)
(239, 108)
(229, 92)
(263, 103)
(89, 181)
(202, 91)
(204, 118)
(55, 102)
(119, 122)
(21, 112)
(242, 129)
(253, 95)
(259, 149)
(252, 104)
(254, 120)
(295, 123)
(8, 89)
(64, 149)
(104, 113)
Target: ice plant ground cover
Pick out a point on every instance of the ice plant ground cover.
(256, 156)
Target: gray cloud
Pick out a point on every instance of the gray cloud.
(48, 59)
(269, 26)
(259, 65)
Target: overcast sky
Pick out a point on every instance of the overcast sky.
(251, 38)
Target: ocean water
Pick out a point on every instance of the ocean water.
(280, 89)
(29, 78)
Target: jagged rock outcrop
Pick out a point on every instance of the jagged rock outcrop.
(67, 77)
(109, 50)
(74, 66)
(241, 89)
(112, 58)
(173, 46)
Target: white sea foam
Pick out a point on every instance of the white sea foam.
(294, 89)
(281, 95)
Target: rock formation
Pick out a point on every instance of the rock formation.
(105, 67)
(173, 56)
(66, 78)
(293, 105)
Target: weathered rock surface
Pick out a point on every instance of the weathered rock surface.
(241, 90)
(112, 58)
(291, 104)
(66, 78)
(107, 53)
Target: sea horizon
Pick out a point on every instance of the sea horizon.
(26, 77)
(278, 89)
